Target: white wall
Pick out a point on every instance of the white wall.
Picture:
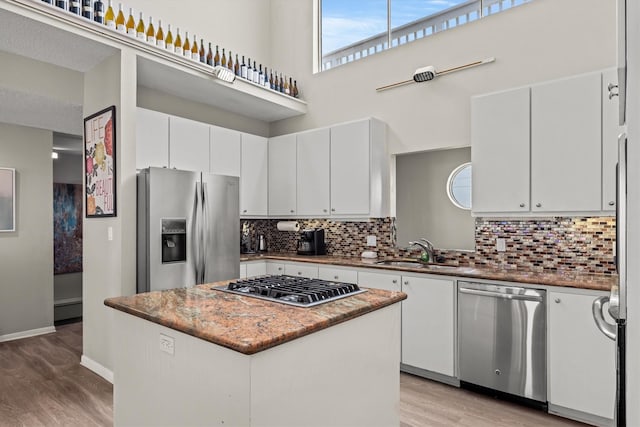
(543, 40)
(26, 255)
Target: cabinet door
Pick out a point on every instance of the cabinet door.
(225, 151)
(500, 151)
(337, 274)
(253, 176)
(282, 175)
(256, 268)
(152, 139)
(610, 131)
(302, 270)
(427, 324)
(275, 267)
(566, 145)
(313, 173)
(581, 366)
(188, 145)
(385, 281)
(350, 169)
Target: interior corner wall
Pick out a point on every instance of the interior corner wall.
(26, 255)
(538, 41)
(109, 265)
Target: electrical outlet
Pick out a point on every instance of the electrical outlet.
(167, 344)
(371, 240)
(501, 245)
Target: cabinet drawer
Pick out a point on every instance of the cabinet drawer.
(338, 274)
(387, 282)
(302, 270)
(275, 268)
(256, 269)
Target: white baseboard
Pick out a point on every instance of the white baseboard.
(27, 334)
(94, 366)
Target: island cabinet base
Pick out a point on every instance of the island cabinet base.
(345, 375)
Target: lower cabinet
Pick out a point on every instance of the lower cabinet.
(338, 274)
(252, 269)
(374, 280)
(301, 269)
(428, 333)
(581, 364)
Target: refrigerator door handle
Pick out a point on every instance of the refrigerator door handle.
(204, 230)
(196, 234)
(618, 303)
(606, 328)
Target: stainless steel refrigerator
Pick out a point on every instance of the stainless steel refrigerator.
(188, 229)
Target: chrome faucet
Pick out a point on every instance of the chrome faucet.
(426, 245)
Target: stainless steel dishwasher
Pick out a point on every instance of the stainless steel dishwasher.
(501, 338)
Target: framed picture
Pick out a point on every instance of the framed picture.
(100, 163)
(7, 199)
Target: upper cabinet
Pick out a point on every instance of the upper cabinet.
(225, 151)
(313, 174)
(189, 145)
(152, 139)
(254, 176)
(282, 175)
(611, 129)
(545, 149)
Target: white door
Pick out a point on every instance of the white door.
(500, 151)
(350, 161)
(225, 151)
(610, 131)
(253, 176)
(581, 367)
(188, 145)
(566, 145)
(152, 139)
(282, 175)
(427, 324)
(313, 174)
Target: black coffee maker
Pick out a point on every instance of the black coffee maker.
(312, 242)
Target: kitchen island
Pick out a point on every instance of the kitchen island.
(198, 356)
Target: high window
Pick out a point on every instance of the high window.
(354, 29)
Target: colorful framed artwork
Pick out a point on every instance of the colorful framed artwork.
(7, 199)
(100, 163)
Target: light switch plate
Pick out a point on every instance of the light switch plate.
(371, 240)
(109, 233)
(501, 245)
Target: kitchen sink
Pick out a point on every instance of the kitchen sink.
(415, 264)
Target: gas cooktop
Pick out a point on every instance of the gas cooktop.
(298, 291)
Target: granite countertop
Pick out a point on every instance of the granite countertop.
(600, 282)
(245, 324)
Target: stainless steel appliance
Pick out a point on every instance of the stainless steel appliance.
(312, 242)
(617, 300)
(502, 338)
(188, 228)
(292, 290)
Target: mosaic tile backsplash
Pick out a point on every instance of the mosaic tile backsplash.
(542, 244)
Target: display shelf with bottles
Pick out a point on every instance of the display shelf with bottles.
(49, 30)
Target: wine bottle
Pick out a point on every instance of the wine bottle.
(151, 32)
(120, 24)
(265, 81)
(256, 76)
(236, 67)
(296, 94)
(216, 59)
(160, 35)
(86, 9)
(243, 69)
(131, 24)
(203, 53)
(195, 55)
(178, 43)
(260, 80)
(287, 91)
(140, 33)
(98, 11)
(62, 4)
(271, 86)
(186, 46)
(109, 16)
(74, 7)
(249, 71)
(230, 62)
(168, 40)
(210, 56)
(281, 84)
(223, 59)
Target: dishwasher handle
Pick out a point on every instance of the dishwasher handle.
(480, 292)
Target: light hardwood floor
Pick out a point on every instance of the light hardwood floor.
(43, 384)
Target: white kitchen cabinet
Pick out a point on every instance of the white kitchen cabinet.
(188, 145)
(301, 269)
(243, 270)
(253, 176)
(225, 151)
(338, 274)
(256, 268)
(428, 338)
(282, 175)
(566, 132)
(275, 267)
(610, 131)
(581, 364)
(500, 151)
(152, 139)
(375, 280)
(313, 173)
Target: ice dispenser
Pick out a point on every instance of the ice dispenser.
(174, 240)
